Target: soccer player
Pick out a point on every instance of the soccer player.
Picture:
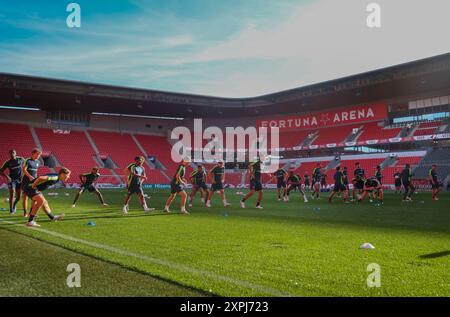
(307, 181)
(294, 182)
(198, 180)
(409, 188)
(434, 181)
(34, 191)
(135, 173)
(176, 187)
(378, 174)
(217, 176)
(87, 183)
(14, 178)
(254, 170)
(339, 185)
(317, 177)
(358, 180)
(398, 181)
(370, 185)
(323, 180)
(280, 175)
(30, 169)
(345, 173)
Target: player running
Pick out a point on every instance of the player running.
(217, 176)
(14, 179)
(87, 183)
(30, 169)
(317, 177)
(339, 185)
(135, 174)
(370, 185)
(409, 188)
(358, 180)
(34, 191)
(398, 181)
(176, 187)
(254, 170)
(434, 181)
(294, 182)
(198, 181)
(280, 175)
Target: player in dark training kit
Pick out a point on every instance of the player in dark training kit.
(317, 178)
(14, 178)
(294, 182)
(254, 171)
(87, 183)
(409, 188)
(34, 191)
(339, 185)
(280, 176)
(135, 174)
(217, 176)
(398, 181)
(358, 180)
(434, 182)
(198, 181)
(30, 173)
(176, 187)
(370, 185)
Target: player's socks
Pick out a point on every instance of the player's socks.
(51, 216)
(125, 209)
(31, 218)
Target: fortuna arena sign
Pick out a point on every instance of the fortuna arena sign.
(356, 114)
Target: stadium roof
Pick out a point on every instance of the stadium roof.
(413, 78)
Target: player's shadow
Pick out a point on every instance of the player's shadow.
(435, 255)
(73, 217)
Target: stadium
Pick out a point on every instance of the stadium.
(303, 235)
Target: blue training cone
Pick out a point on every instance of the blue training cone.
(91, 224)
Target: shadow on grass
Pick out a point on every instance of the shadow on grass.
(435, 255)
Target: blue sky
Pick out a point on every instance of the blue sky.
(216, 47)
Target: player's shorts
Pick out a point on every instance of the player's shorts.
(255, 185)
(216, 187)
(135, 189)
(347, 187)
(435, 185)
(31, 192)
(15, 184)
(359, 184)
(307, 183)
(202, 185)
(175, 188)
(407, 185)
(294, 187)
(91, 188)
(281, 184)
(398, 184)
(323, 183)
(339, 187)
(317, 183)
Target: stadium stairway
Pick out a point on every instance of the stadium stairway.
(441, 157)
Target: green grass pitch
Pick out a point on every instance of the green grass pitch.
(287, 249)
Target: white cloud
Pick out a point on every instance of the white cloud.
(329, 39)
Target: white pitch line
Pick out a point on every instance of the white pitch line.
(166, 263)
